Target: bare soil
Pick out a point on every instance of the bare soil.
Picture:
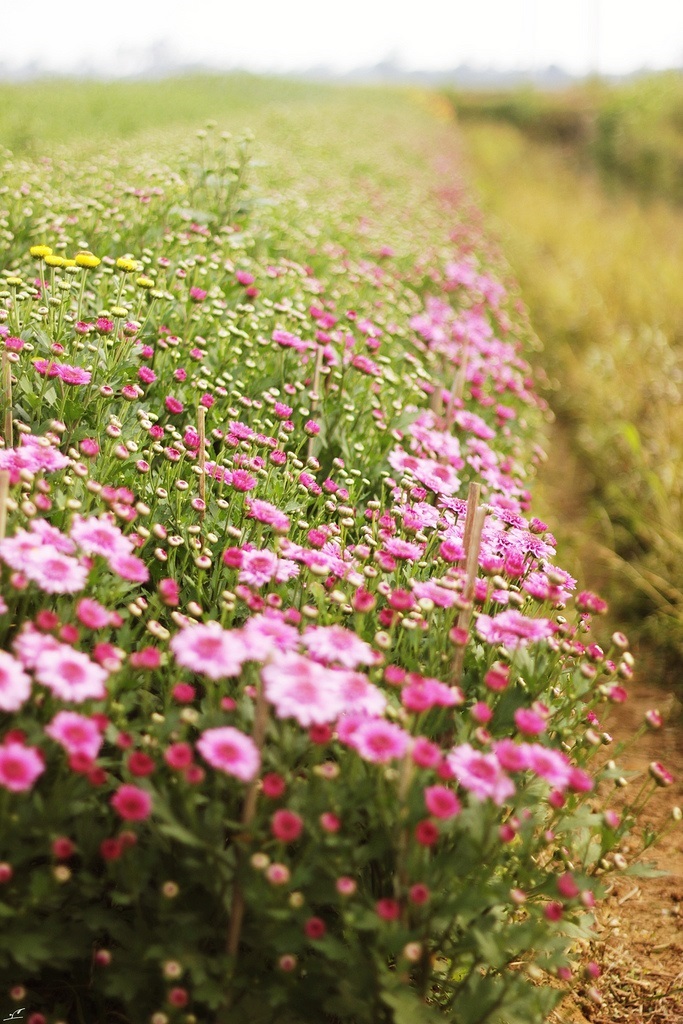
(638, 942)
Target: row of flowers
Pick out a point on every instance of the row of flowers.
(296, 708)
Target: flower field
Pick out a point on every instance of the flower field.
(301, 718)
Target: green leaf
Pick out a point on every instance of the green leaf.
(644, 870)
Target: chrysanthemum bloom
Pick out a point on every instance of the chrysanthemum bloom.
(54, 572)
(173, 405)
(15, 684)
(131, 802)
(267, 513)
(337, 644)
(481, 774)
(73, 374)
(529, 721)
(178, 755)
(388, 909)
(304, 690)
(286, 825)
(273, 785)
(209, 650)
(129, 567)
(92, 614)
(20, 766)
(99, 536)
(278, 874)
(379, 741)
(230, 751)
(243, 481)
(513, 629)
(76, 733)
(70, 674)
(346, 886)
(315, 928)
(140, 764)
(441, 802)
(258, 567)
(425, 753)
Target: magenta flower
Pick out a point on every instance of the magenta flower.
(230, 751)
(131, 802)
(20, 766)
(129, 567)
(513, 629)
(173, 405)
(54, 572)
(99, 536)
(286, 825)
(74, 374)
(15, 684)
(304, 690)
(76, 733)
(379, 741)
(209, 650)
(337, 644)
(198, 294)
(479, 773)
(441, 802)
(69, 674)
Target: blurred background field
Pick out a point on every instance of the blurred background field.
(584, 190)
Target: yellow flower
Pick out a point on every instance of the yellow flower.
(85, 258)
(145, 282)
(69, 263)
(53, 260)
(39, 252)
(126, 264)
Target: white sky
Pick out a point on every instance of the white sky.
(613, 36)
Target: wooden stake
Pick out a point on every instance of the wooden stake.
(7, 400)
(201, 422)
(4, 494)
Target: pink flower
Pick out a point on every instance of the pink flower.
(76, 733)
(129, 567)
(92, 614)
(243, 481)
(131, 802)
(286, 825)
(304, 690)
(178, 755)
(73, 374)
(529, 722)
(15, 685)
(479, 773)
(20, 766)
(70, 674)
(513, 629)
(209, 650)
(258, 567)
(379, 741)
(315, 928)
(551, 765)
(267, 634)
(441, 802)
(230, 751)
(54, 572)
(169, 592)
(99, 537)
(173, 405)
(360, 696)
(335, 643)
(388, 909)
(264, 512)
(425, 753)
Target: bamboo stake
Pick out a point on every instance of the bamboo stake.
(7, 399)
(4, 494)
(315, 394)
(248, 812)
(474, 525)
(201, 422)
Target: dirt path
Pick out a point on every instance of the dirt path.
(639, 935)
